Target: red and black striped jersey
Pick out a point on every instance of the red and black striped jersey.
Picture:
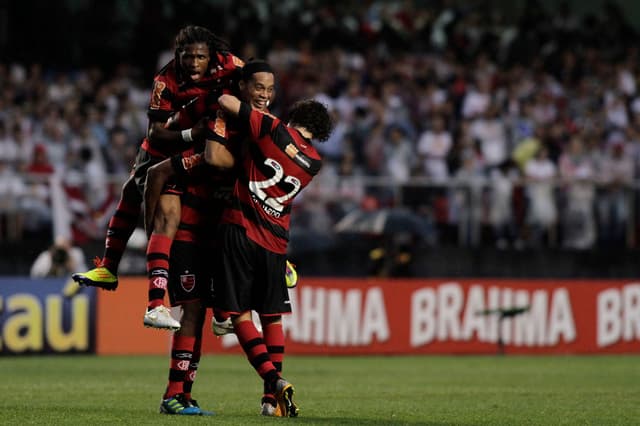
(193, 100)
(277, 163)
(207, 194)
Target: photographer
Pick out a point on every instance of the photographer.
(59, 260)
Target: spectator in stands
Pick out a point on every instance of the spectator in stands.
(542, 214)
(614, 197)
(490, 130)
(578, 173)
(433, 149)
(399, 157)
(12, 192)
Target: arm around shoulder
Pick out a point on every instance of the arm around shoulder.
(230, 104)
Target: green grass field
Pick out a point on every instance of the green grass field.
(425, 390)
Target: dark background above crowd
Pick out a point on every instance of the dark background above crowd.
(66, 34)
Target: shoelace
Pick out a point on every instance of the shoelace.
(97, 262)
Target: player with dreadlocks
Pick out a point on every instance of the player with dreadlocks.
(182, 93)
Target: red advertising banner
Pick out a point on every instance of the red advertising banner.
(417, 316)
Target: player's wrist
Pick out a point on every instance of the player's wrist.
(187, 135)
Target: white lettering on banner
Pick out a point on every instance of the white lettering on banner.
(374, 320)
(423, 313)
(441, 314)
(618, 315)
(450, 300)
(343, 319)
(353, 317)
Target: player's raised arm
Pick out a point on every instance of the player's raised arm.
(230, 104)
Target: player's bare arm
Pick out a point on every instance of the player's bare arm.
(160, 133)
(230, 104)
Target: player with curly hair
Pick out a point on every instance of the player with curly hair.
(279, 160)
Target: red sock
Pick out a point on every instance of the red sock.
(274, 339)
(181, 356)
(158, 250)
(256, 351)
(121, 226)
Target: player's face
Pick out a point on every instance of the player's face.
(260, 90)
(194, 60)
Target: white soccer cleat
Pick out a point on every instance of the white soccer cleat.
(160, 317)
(220, 328)
(266, 409)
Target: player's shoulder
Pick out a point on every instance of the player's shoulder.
(167, 74)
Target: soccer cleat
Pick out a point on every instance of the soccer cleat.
(194, 403)
(160, 317)
(284, 396)
(270, 410)
(178, 405)
(291, 276)
(220, 328)
(99, 277)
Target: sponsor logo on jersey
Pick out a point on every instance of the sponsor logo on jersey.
(188, 282)
(191, 161)
(220, 126)
(237, 61)
(156, 95)
(291, 150)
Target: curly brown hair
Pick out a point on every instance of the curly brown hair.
(313, 116)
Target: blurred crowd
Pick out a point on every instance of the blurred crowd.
(516, 130)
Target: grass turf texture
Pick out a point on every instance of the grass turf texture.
(425, 390)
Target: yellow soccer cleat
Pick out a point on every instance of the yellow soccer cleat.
(284, 397)
(291, 276)
(97, 277)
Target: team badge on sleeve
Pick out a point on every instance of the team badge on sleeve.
(156, 95)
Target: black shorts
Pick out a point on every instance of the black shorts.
(189, 278)
(248, 276)
(144, 160)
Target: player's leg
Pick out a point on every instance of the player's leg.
(121, 226)
(185, 287)
(166, 221)
(273, 294)
(274, 339)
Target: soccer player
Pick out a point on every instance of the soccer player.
(278, 161)
(185, 86)
(207, 194)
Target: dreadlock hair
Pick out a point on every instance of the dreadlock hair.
(313, 116)
(195, 34)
